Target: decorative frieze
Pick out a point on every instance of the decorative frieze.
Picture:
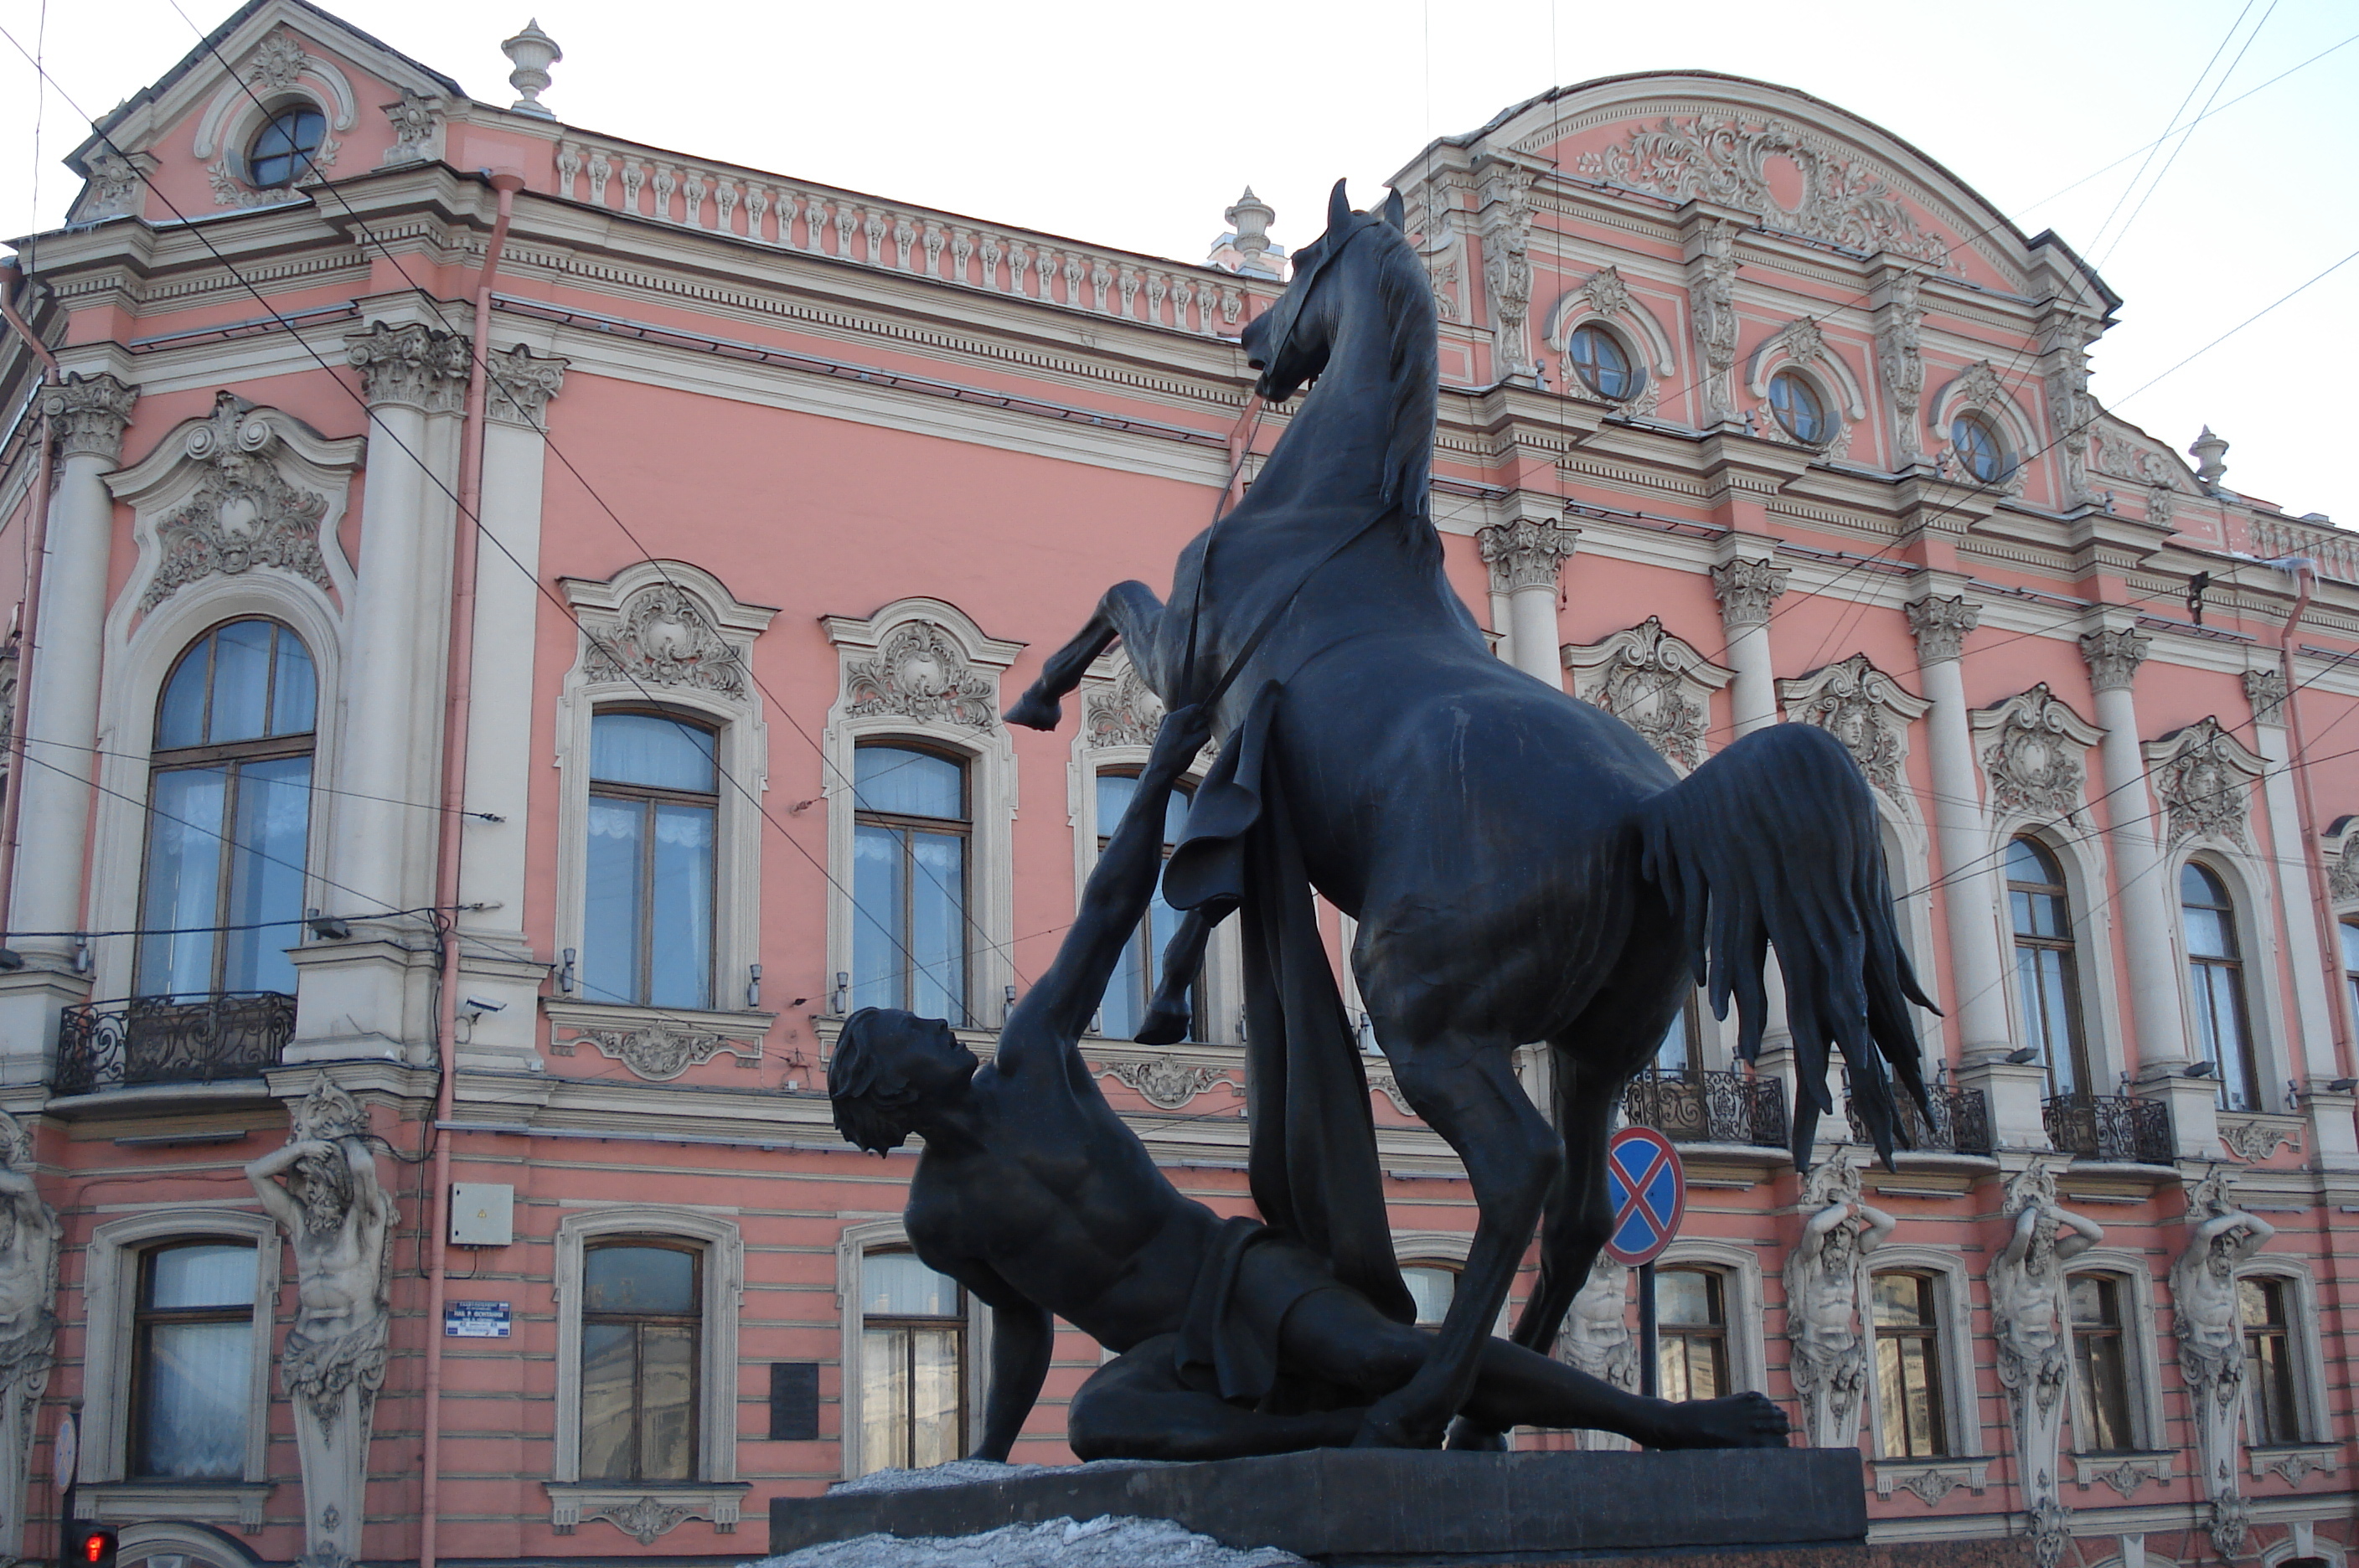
(2204, 776)
(1940, 627)
(88, 415)
(2254, 1138)
(1529, 552)
(655, 1049)
(665, 636)
(2126, 1474)
(243, 515)
(1164, 1081)
(1658, 684)
(1929, 1481)
(920, 671)
(2032, 753)
(2113, 657)
(2294, 1462)
(412, 365)
(1865, 709)
(1745, 589)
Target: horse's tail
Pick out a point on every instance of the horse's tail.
(1774, 840)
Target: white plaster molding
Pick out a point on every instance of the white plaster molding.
(1867, 710)
(1605, 297)
(722, 1259)
(854, 1245)
(1656, 682)
(189, 1502)
(2339, 848)
(658, 1044)
(1802, 345)
(2032, 748)
(645, 1512)
(2203, 777)
(2294, 1462)
(276, 64)
(1929, 1481)
(2126, 1474)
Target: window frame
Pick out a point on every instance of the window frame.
(1816, 390)
(2142, 1351)
(2002, 455)
(1961, 1398)
(695, 1316)
(1200, 994)
(1718, 1335)
(2300, 1334)
(1633, 373)
(961, 827)
(2076, 1031)
(854, 1244)
(303, 164)
(969, 1413)
(2243, 965)
(1739, 1269)
(647, 797)
(144, 1319)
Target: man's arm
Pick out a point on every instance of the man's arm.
(2082, 1234)
(2018, 1244)
(1053, 1014)
(276, 1201)
(1021, 1334)
(1879, 1226)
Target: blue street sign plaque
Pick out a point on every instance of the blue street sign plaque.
(1648, 1192)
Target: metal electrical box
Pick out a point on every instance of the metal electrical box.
(482, 1214)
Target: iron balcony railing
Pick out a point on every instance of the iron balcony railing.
(1960, 1124)
(171, 1039)
(1689, 1105)
(2110, 1126)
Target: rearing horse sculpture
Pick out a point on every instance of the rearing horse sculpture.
(1523, 865)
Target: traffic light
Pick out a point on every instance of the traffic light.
(94, 1546)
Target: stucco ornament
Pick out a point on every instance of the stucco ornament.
(1823, 1277)
(919, 673)
(1732, 163)
(1863, 707)
(2034, 753)
(2265, 690)
(1942, 626)
(1899, 355)
(1529, 552)
(338, 1220)
(1745, 589)
(276, 62)
(30, 1234)
(658, 1051)
(114, 186)
(1507, 264)
(666, 639)
(2343, 870)
(2254, 1138)
(2030, 1315)
(411, 365)
(245, 513)
(417, 119)
(2113, 657)
(88, 415)
(1123, 711)
(1162, 1081)
(644, 1519)
(2204, 780)
(1605, 297)
(1658, 684)
(1597, 1338)
(521, 383)
(1712, 294)
(2070, 410)
(2211, 1334)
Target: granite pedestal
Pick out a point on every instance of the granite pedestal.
(1385, 1506)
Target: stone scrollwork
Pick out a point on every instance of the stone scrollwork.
(30, 1234)
(243, 515)
(2113, 657)
(1941, 625)
(2126, 1474)
(519, 385)
(2030, 1323)
(1711, 293)
(88, 415)
(1507, 264)
(2254, 1138)
(2341, 848)
(1863, 707)
(1747, 588)
(666, 637)
(1123, 710)
(2032, 754)
(1658, 684)
(1931, 1480)
(920, 671)
(1388, 1085)
(2267, 690)
(417, 120)
(2211, 1337)
(1164, 1081)
(2203, 777)
(1823, 1278)
(644, 1519)
(412, 365)
(658, 1051)
(1529, 552)
(1899, 323)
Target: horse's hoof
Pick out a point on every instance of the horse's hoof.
(1381, 1428)
(1164, 1026)
(1035, 712)
(1465, 1437)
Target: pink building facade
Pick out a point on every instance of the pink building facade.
(510, 629)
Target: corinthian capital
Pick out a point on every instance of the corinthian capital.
(2266, 691)
(1526, 553)
(414, 365)
(1942, 626)
(2113, 657)
(1747, 589)
(89, 413)
(522, 383)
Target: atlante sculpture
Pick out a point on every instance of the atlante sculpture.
(1231, 1339)
(1522, 866)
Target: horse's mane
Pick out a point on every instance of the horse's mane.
(1405, 296)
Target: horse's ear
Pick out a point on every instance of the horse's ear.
(1339, 207)
(1396, 211)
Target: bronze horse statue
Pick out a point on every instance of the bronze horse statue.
(1523, 867)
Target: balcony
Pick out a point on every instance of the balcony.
(2110, 1126)
(171, 1039)
(1960, 1124)
(1695, 1107)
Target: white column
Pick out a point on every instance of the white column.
(1747, 587)
(1969, 898)
(1526, 558)
(2314, 1056)
(88, 414)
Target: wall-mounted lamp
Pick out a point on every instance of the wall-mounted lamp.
(2342, 1086)
(1006, 1002)
(11, 960)
(843, 997)
(81, 955)
(753, 986)
(2199, 1070)
(565, 973)
(328, 928)
(2023, 1056)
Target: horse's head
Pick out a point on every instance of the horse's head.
(1288, 342)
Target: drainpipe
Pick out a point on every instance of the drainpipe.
(28, 619)
(2322, 903)
(446, 877)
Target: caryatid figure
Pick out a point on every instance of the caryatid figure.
(1597, 1340)
(2030, 1311)
(340, 1222)
(1828, 1359)
(28, 1319)
(2211, 1338)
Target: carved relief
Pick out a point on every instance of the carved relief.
(2211, 1337)
(1607, 297)
(1123, 710)
(1388, 1085)
(114, 187)
(667, 637)
(1824, 1277)
(2033, 754)
(2343, 862)
(1526, 553)
(2203, 777)
(1863, 707)
(658, 1051)
(2254, 1138)
(1506, 264)
(1163, 1082)
(1656, 683)
(2070, 410)
(920, 672)
(88, 415)
(1597, 1336)
(1711, 295)
(644, 1519)
(1899, 355)
(30, 1234)
(2031, 1319)
(413, 365)
(2265, 690)
(519, 385)
(245, 513)
(417, 122)
(1728, 162)
(1745, 589)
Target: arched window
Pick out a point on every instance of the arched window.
(1692, 1333)
(642, 1322)
(1909, 1365)
(2101, 1387)
(229, 815)
(192, 1351)
(1799, 408)
(1432, 1288)
(2047, 979)
(2216, 975)
(909, 881)
(646, 935)
(282, 150)
(912, 1364)
(1602, 362)
(1124, 1011)
(1979, 448)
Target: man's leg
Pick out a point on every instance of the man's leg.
(1135, 1407)
(1338, 1336)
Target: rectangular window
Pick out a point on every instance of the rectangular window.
(910, 882)
(2101, 1392)
(1907, 1366)
(646, 936)
(642, 1327)
(1123, 1013)
(2271, 1413)
(912, 1364)
(192, 1362)
(1691, 1334)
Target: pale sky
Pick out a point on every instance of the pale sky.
(1136, 124)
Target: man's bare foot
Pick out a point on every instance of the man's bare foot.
(1035, 711)
(1743, 1421)
(1384, 1426)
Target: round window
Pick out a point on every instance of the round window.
(282, 152)
(1602, 362)
(1979, 448)
(1799, 408)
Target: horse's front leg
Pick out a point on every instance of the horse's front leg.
(1464, 1088)
(1168, 1016)
(1129, 611)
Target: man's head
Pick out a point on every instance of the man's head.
(887, 1064)
(327, 1189)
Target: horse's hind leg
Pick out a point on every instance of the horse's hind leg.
(1129, 611)
(1168, 1016)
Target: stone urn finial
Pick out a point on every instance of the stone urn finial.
(2207, 451)
(533, 53)
(1250, 216)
